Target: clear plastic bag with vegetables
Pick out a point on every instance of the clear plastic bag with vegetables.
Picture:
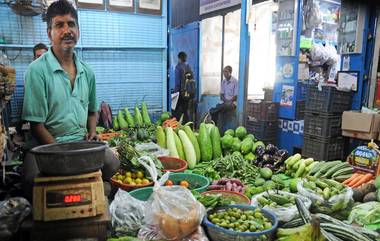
(283, 204)
(366, 214)
(327, 196)
(127, 214)
(172, 210)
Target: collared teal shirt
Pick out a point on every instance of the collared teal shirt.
(49, 98)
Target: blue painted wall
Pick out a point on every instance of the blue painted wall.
(127, 51)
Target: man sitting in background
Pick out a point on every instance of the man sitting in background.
(228, 95)
(38, 50)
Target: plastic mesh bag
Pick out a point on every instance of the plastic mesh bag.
(173, 211)
(333, 204)
(284, 214)
(127, 214)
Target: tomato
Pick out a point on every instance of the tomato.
(184, 184)
(168, 183)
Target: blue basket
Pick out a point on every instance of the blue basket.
(217, 233)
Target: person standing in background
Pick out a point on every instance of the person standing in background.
(38, 50)
(181, 69)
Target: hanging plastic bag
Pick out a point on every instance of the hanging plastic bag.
(173, 210)
(335, 203)
(127, 214)
(284, 214)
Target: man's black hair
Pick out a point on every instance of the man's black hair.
(60, 8)
(228, 68)
(38, 47)
(182, 56)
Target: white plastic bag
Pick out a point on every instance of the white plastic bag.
(284, 214)
(335, 203)
(172, 210)
(127, 214)
(152, 148)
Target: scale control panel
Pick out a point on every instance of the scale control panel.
(68, 197)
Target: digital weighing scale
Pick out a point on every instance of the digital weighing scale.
(68, 197)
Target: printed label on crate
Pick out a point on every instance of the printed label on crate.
(365, 159)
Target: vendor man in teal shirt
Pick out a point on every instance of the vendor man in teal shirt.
(60, 92)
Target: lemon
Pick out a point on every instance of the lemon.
(128, 180)
(133, 175)
(145, 181)
(139, 174)
(138, 181)
(119, 177)
(132, 183)
(128, 174)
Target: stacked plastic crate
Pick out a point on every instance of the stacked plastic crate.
(323, 118)
(262, 120)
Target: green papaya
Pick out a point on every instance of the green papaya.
(115, 123)
(122, 122)
(145, 114)
(229, 132)
(236, 144)
(129, 118)
(138, 117)
(241, 132)
(227, 142)
(246, 146)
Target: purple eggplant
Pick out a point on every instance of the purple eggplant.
(260, 151)
(271, 149)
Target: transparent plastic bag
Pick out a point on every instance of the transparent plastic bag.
(333, 204)
(152, 148)
(127, 214)
(172, 210)
(284, 214)
(367, 215)
(151, 233)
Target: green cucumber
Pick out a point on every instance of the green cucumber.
(344, 171)
(335, 168)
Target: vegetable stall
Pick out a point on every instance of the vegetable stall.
(231, 186)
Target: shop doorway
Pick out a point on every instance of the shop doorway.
(262, 58)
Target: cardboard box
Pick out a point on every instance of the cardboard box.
(360, 125)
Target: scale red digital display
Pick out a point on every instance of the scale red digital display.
(72, 198)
